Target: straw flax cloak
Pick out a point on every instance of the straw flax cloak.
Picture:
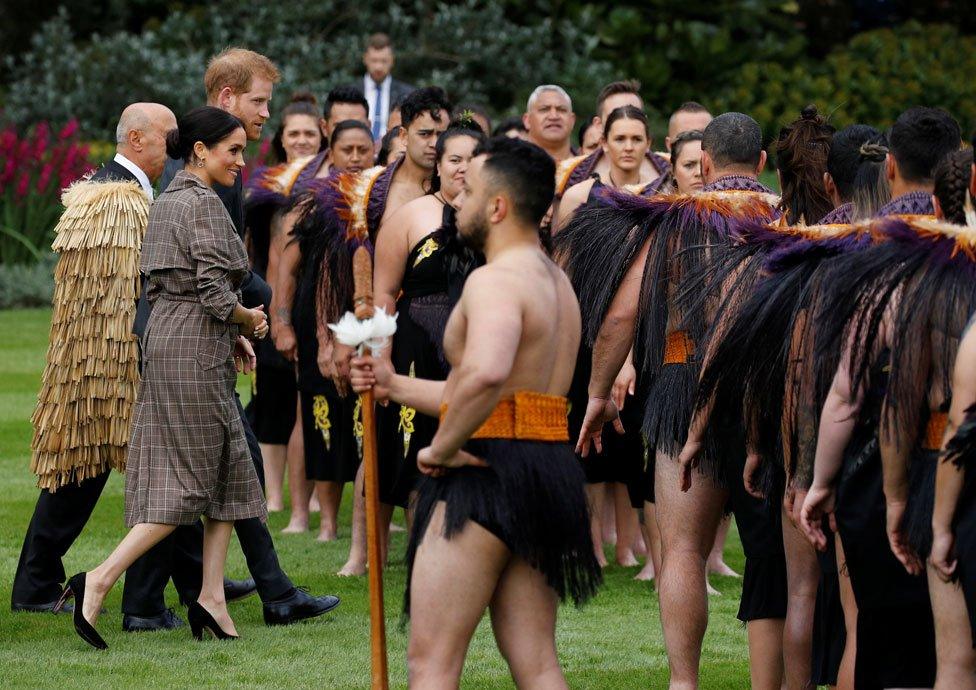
(81, 422)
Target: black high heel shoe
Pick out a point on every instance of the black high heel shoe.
(75, 587)
(200, 620)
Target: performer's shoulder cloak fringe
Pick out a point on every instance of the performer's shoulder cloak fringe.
(337, 214)
(757, 358)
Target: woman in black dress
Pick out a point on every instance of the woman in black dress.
(420, 268)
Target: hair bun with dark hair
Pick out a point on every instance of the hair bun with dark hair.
(809, 112)
(304, 97)
(174, 144)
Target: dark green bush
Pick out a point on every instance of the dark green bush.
(23, 285)
(472, 48)
(872, 79)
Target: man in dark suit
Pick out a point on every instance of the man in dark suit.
(180, 555)
(65, 504)
(379, 87)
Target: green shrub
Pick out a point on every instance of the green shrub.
(27, 285)
(471, 47)
(872, 79)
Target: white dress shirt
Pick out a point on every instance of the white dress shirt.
(383, 111)
(138, 172)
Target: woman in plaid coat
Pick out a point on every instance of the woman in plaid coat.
(188, 455)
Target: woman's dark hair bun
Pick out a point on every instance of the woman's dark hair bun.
(173, 144)
(809, 112)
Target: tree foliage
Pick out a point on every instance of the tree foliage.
(872, 79)
(471, 48)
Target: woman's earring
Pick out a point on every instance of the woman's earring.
(970, 212)
(201, 162)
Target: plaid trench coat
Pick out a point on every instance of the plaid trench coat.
(188, 455)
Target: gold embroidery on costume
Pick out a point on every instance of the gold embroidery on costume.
(426, 251)
(357, 425)
(407, 415)
(320, 411)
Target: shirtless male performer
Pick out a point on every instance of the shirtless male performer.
(501, 518)
(732, 158)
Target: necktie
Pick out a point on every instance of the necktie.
(377, 124)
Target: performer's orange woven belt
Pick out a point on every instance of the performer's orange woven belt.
(934, 430)
(678, 348)
(526, 416)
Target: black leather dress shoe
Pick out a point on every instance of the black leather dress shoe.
(297, 606)
(41, 608)
(167, 620)
(238, 589)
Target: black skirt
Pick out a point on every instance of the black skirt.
(895, 630)
(829, 627)
(401, 430)
(332, 448)
(759, 521)
(273, 407)
(531, 497)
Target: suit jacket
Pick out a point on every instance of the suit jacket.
(398, 91)
(254, 290)
(113, 171)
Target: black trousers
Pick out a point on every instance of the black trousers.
(59, 518)
(180, 557)
(57, 521)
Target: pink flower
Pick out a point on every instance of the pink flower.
(44, 179)
(23, 149)
(22, 185)
(8, 172)
(69, 159)
(8, 140)
(68, 130)
(42, 134)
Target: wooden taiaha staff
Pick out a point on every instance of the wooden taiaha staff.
(362, 269)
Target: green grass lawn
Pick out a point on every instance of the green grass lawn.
(614, 642)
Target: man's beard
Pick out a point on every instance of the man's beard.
(474, 233)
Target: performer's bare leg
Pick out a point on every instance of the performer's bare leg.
(845, 674)
(652, 537)
(274, 459)
(765, 653)
(523, 616)
(716, 559)
(595, 495)
(100, 579)
(608, 519)
(802, 578)
(356, 564)
(627, 525)
(451, 585)
(688, 522)
(330, 498)
(299, 488)
(953, 635)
